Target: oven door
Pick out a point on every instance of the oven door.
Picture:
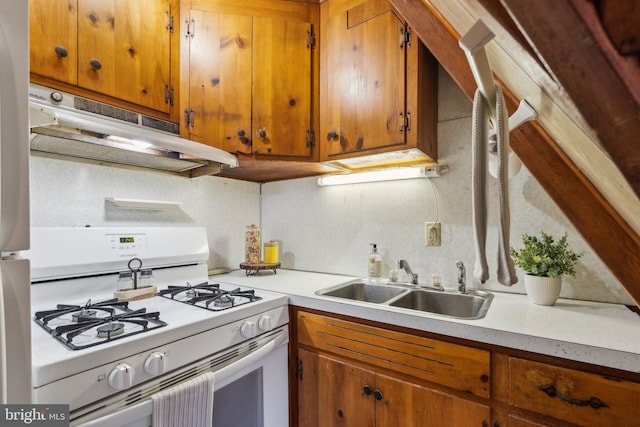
(251, 389)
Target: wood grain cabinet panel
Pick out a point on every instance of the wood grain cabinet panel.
(124, 49)
(459, 367)
(334, 392)
(53, 51)
(578, 397)
(378, 83)
(249, 85)
(117, 48)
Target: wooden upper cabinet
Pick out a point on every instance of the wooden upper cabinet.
(124, 49)
(249, 68)
(220, 58)
(117, 48)
(378, 84)
(281, 86)
(53, 51)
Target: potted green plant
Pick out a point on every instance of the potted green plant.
(544, 262)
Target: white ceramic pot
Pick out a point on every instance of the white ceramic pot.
(542, 290)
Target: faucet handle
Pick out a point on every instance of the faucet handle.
(462, 280)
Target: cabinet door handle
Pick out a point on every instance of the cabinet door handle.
(377, 394)
(594, 402)
(262, 133)
(241, 133)
(61, 51)
(367, 390)
(95, 64)
(332, 135)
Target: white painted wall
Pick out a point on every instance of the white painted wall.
(329, 228)
(68, 194)
(325, 229)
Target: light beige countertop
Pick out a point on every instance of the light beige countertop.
(591, 332)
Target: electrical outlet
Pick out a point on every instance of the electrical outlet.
(432, 233)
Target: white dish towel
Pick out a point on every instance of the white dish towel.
(189, 404)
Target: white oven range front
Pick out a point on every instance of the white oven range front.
(173, 341)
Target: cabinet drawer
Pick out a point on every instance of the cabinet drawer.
(452, 365)
(579, 397)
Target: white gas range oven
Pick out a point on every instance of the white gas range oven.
(126, 364)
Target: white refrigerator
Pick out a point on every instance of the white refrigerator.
(15, 316)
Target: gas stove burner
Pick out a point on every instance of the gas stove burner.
(223, 301)
(110, 330)
(211, 296)
(80, 327)
(84, 314)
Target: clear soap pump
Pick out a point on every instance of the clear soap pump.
(375, 263)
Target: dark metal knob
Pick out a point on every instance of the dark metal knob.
(377, 394)
(61, 51)
(367, 390)
(332, 135)
(241, 133)
(262, 133)
(95, 64)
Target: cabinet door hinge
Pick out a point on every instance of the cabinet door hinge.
(311, 40)
(299, 369)
(405, 37)
(311, 138)
(189, 117)
(405, 122)
(168, 94)
(191, 28)
(171, 24)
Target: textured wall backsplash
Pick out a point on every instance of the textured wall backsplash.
(69, 194)
(329, 228)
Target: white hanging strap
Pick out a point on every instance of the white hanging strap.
(506, 270)
(479, 134)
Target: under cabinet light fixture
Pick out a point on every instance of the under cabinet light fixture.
(390, 174)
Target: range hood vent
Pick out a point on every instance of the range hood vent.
(72, 126)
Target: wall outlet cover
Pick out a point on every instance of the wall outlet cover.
(432, 233)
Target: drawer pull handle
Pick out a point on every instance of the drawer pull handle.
(594, 402)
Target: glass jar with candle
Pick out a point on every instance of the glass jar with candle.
(270, 252)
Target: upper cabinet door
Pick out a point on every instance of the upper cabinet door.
(364, 103)
(281, 86)
(53, 39)
(220, 57)
(124, 50)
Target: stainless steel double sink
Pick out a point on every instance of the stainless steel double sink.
(469, 305)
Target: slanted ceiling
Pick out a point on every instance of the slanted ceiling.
(581, 75)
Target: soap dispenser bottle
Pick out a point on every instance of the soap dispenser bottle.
(375, 263)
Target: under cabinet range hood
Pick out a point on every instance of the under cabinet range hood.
(72, 126)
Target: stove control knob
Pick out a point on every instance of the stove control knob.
(265, 323)
(121, 377)
(248, 329)
(156, 363)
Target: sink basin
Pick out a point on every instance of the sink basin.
(471, 305)
(362, 291)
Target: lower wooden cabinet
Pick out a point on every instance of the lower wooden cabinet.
(578, 397)
(340, 393)
(356, 373)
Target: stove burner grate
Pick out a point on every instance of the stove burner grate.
(105, 321)
(209, 296)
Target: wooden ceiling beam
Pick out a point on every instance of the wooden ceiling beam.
(617, 245)
(580, 57)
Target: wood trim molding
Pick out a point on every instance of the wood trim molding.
(613, 240)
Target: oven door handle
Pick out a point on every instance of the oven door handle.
(228, 373)
(223, 377)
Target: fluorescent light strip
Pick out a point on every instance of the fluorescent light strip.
(373, 176)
